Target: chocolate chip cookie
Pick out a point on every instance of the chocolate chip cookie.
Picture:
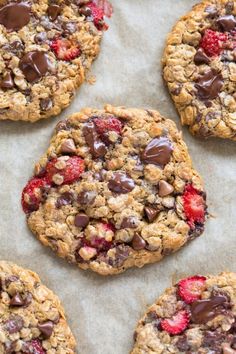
(197, 315)
(46, 49)
(32, 319)
(200, 68)
(116, 189)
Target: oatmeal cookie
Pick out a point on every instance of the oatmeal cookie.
(200, 68)
(32, 319)
(197, 315)
(115, 189)
(46, 49)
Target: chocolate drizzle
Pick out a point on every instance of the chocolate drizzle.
(158, 152)
(14, 16)
(203, 311)
(96, 146)
(34, 65)
(209, 85)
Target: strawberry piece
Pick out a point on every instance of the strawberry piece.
(190, 289)
(106, 7)
(97, 16)
(105, 125)
(34, 347)
(177, 324)
(65, 49)
(32, 194)
(213, 42)
(71, 171)
(194, 206)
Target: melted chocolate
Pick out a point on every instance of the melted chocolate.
(158, 152)
(7, 81)
(14, 16)
(96, 146)
(121, 183)
(209, 85)
(203, 311)
(34, 65)
(53, 11)
(201, 58)
(226, 23)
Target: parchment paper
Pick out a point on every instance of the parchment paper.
(103, 312)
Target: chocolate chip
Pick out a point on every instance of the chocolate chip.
(11, 279)
(46, 328)
(122, 253)
(100, 176)
(201, 58)
(212, 11)
(9, 19)
(81, 220)
(96, 146)
(205, 310)
(196, 232)
(182, 344)
(226, 23)
(86, 198)
(130, 222)
(62, 125)
(53, 11)
(176, 91)
(213, 340)
(7, 81)
(69, 27)
(17, 300)
(28, 299)
(165, 188)
(65, 199)
(68, 147)
(10, 347)
(151, 213)
(14, 324)
(151, 317)
(40, 37)
(15, 47)
(85, 11)
(209, 85)
(229, 7)
(121, 183)
(158, 152)
(34, 65)
(138, 242)
(45, 104)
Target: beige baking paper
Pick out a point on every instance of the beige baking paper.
(103, 312)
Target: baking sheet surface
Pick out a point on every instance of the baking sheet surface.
(103, 312)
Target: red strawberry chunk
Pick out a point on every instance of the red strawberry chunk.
(213, 42)
(35, 347)
(105, 125)
(32, 194)
(106, 6)
(65, 49)
(190, 289)
(97, 16)
(194, 205)
(177, 324)
(70, 169)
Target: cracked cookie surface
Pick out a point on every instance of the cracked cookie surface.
(115, 189)
(45, 53)
(200, 68)
(197, 315)
(32, 319)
